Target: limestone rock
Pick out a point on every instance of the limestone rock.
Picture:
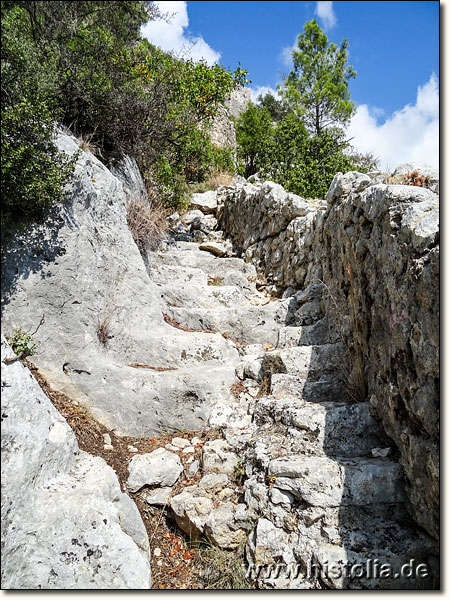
(206, 202)
(217, 457)
(158, 468)
(65, 522)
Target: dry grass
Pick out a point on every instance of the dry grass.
(103, 329)
(222, 569)
(147, 223)
(219, 178)
(412, 178)
(354, 379)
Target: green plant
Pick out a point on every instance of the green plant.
(239, 471)
(22, 343)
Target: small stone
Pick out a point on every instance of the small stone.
(196, 440)
(157, 497)
(189, 450)
(132, 449)
(180, 442)
(171, 448)
(381, 452)
(157, 552)
(108, 447)
(193, 469)
(107, 439)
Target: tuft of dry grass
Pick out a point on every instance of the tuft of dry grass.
(354, 379)
(147, 223)
(412, 178)
(222, 569)
(103, 329)
(219, 178)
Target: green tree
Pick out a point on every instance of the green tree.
(317, 87)
(254, 131)
(277, 108)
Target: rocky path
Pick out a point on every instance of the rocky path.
(301, 470)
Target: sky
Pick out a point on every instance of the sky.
(393, 46)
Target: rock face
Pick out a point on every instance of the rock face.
(65, 522)
(84, 274)
(373, 249)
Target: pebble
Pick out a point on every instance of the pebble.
(189, 450)
(180, 442)
(132, 449)
(157, 552)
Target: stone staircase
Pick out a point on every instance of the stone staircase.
(323, 486)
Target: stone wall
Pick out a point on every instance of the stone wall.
(375, 247)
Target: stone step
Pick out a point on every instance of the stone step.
(324, 481)
(328, 428)
(202, 260)
(310, 363)
(167, 274)
(308, 335)
(245, 323)
(205, 297)
(328, 388)
(180, 399)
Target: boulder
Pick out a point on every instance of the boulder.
(65, 522)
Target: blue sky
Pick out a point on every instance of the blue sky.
(394, 47)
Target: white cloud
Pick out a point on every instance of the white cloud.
(408, 135)
(286, 54)
(173, 36)
(262, 89)
(324, 10)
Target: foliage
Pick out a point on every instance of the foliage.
(84, 64)
(317, 88)
(277, 108)
(22, 343)
(254, 131)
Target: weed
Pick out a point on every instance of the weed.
(239, 471)
(103, 329)
(22, 343)
(147, 223)
(223, 569)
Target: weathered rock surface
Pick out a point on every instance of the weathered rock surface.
(83, 273)
(158, 468)
(374, 250)
(65, 522)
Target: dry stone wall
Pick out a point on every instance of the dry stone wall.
(375, 249)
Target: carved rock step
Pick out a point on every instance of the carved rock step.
(307, 335)
(146, 402)
(324, 481)
(165, 274)
(202, 260)
(307, 362)
(208, 297)
(328, 388)
(245, 323)
(330, 428)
